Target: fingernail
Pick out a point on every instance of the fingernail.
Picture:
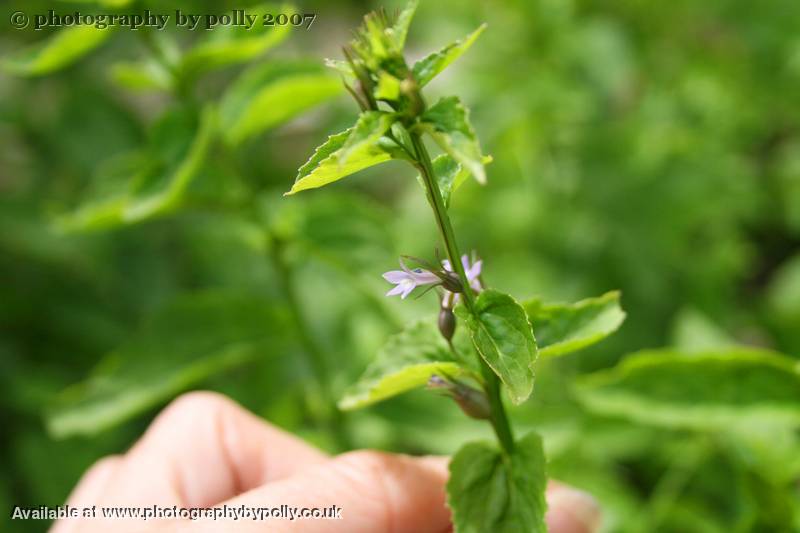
(572, 511)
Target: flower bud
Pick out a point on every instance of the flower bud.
(451, 282)
(447, 323)
(473, 402)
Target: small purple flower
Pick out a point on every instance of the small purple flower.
(407, 280)
(473, 271)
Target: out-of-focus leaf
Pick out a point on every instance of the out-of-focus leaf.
(429, 66)
(179, 145)
(448, 123)
(104, 201)
(407, 361)
(271, 94)
(324, 166)
(347, 228)
(148, 200)
(192, 338)
(565, 328)
(490, 492)
(773, 450)
(56, 52)
(226, 45)
(693, 330)
(141, 76)
(704, 391)
(503, 336)
(784, 292)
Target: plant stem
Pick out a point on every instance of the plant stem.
(442, 219)
(499, 419)
(333, 419)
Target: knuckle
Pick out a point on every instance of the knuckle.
(104, 463)
(189, 415)
(371, 465)
(370, 473)
(188, 405)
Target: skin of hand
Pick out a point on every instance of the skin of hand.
(204, 450)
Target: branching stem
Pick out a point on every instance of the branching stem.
(333, 419)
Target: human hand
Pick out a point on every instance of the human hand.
(206, 451)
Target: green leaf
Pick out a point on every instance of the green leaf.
(142, 76)
(406, 361)
(488, 491)
(388, 87)
(448, 123)
(429, 66)
(271, 94)
(783, 293)
(449, 174)
(194, 337)
(157, 184)
(342, 67)
(705, 391)
(566, 328)
(368, 130)
(400, 27)
(692, 330)
(324, 167)
(502, 335)
(57, 51)
(227, 45)
(146, 202)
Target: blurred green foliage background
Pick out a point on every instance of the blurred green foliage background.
(145, 248)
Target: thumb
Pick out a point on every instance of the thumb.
(375, 491)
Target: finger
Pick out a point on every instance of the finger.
(570, 510)
(203, 449)
(375, 491)
(88, 490)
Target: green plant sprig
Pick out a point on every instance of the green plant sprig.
(483, 341)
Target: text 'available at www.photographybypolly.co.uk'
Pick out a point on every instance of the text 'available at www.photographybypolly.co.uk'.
(158, 512)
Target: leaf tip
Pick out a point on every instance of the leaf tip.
(480, 176)
(346, 404)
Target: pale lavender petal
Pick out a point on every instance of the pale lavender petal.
(465, 262)
(446, 264)
(397, 289)
(475, 270)
(395, 276)
(406, 290)
(424, 277)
